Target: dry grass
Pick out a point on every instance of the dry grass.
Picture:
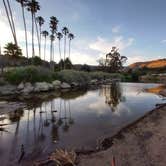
(63, 157)
(60, 158)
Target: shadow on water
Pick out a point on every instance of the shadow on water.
(74, 119)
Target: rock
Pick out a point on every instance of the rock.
(28, 88)
(65, 85)
(163, 92)
(20, 86)
(93, 82)
(74, 84)
(56, 84)
(8, 89)
(43, 87)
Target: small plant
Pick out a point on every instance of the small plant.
(63, 157)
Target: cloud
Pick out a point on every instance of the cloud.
(115, 29)
(163, 41)
(104, 46)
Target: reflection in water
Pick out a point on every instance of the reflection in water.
(113, 95)
(73, 120)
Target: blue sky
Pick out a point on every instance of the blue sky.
(137, 27)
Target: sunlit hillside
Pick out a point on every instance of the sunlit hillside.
(159, 63)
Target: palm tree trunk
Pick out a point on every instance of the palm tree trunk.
(45, 49)
(69, 47)
(9, 19)
(25, 28)
(60, 54)
(33, 51)
(12, 21)
(40, 42)
(37, 31)
(51, 51)
(64, 51)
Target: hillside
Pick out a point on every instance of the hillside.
(154, 64)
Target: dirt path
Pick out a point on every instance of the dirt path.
(143, 144)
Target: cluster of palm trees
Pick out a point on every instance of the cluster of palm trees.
(33, 7)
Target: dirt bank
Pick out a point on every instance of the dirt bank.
(141, 144)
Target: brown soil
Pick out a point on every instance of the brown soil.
(141, 144)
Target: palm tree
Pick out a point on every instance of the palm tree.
(40, 21)
(60, 36)
(71, 37)
(45, 34)
(53, 28)
(33, 6)
(52, 38)
(23, 4)
(65, 31)
(10, 19)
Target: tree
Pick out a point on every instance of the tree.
(12, 50)
(40, 21)
(33, 6)
(23, 4)
(102, 63)
(53, 28)
(60, 36)
(10, 19)
(68, 63)
(65, 31)
(71, 37)
(114, 60)
(52, 38)
(45, 34)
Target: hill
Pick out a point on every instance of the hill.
(154, 64)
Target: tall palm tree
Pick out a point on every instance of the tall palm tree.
(71, 37)
(33, 6)
(23, 4)
(60, 36)
(65, 31)
(45, 34)
(53, 28)
(52, 38)
(10, 19)
(40, 21)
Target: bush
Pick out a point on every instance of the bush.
(103, 75)
(70, 76)
(28, 74)
(36, 60)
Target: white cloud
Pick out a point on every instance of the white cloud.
(104, 46)
(163, 41)
(115, 29)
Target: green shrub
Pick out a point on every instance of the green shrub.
(29, 74)
(83, 77)
(70, 76)
(36, 60)
(103, 75)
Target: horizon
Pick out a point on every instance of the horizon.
(140, 36)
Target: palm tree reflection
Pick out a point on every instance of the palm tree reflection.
(65, 118)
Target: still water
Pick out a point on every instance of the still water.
(73, 120)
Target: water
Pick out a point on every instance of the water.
(82, 118)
